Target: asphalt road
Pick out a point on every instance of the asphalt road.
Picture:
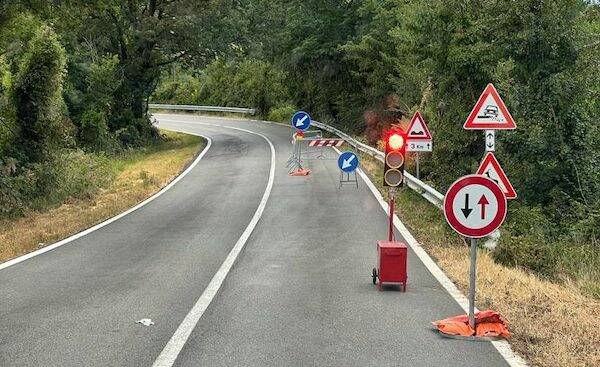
(299, 294)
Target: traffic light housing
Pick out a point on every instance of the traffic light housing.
(395, 153)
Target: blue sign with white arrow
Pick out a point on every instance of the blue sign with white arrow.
(348, 162)
(301, 120)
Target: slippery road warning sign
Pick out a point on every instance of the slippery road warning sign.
(490, 168)
(475, 206)
(418, 135)
(490, 113)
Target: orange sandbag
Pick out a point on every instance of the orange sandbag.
(300, 172)
(455, 328)
(488, 316)
(488, 323)
(492, 329)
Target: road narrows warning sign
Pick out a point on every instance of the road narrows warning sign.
(490, 113)
(475, 206)
(490, 168)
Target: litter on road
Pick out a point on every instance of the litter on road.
(145, 322)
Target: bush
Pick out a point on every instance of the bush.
(70, 174)
(281, 114)
(93, 133)
(180, 89)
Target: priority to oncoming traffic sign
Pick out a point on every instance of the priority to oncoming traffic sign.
(475, 206)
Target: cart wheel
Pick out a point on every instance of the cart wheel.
(374, 276)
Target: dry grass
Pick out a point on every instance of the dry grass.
(552, 324)
(141, 175)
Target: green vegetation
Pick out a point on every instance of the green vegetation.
(90, 188)
(76, 77)
(363, 65)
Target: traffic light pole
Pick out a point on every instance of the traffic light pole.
(391, 204)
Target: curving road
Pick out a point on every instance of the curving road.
(298, 294)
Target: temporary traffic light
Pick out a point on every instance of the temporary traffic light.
(395, 150)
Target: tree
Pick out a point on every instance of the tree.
(36, 94)
(144, 36)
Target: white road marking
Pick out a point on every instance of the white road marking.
(501, 346)
(113, 219)
(169, 354)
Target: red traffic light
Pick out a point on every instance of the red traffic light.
(396, 141)
(395, 148)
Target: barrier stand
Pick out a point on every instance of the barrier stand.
(347, 179)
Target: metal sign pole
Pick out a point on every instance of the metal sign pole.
(418, 172)
(472, 283)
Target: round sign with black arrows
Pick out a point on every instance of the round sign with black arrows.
(475, 206)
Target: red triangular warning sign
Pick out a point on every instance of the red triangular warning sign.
(490, 113)
(417, 130)
(490, 167)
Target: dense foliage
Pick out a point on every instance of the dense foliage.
(76, 77)
(366, 64)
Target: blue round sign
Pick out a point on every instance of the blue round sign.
(348, 162)
(301, 120)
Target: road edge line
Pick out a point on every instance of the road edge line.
(171, 351)
(502, 346)
(85, 232)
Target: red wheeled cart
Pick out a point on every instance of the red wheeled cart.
(391, 264)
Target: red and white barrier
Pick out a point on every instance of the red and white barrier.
(326, 143)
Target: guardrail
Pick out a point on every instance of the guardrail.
(246, 111)
(428, 192)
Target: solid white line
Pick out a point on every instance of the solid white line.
(169, 354)
(501, 346)
(113, 219)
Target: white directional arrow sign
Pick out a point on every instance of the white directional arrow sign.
(300, 121)
(348, 162)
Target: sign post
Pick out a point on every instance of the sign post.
(474, 206)
(300, 123)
